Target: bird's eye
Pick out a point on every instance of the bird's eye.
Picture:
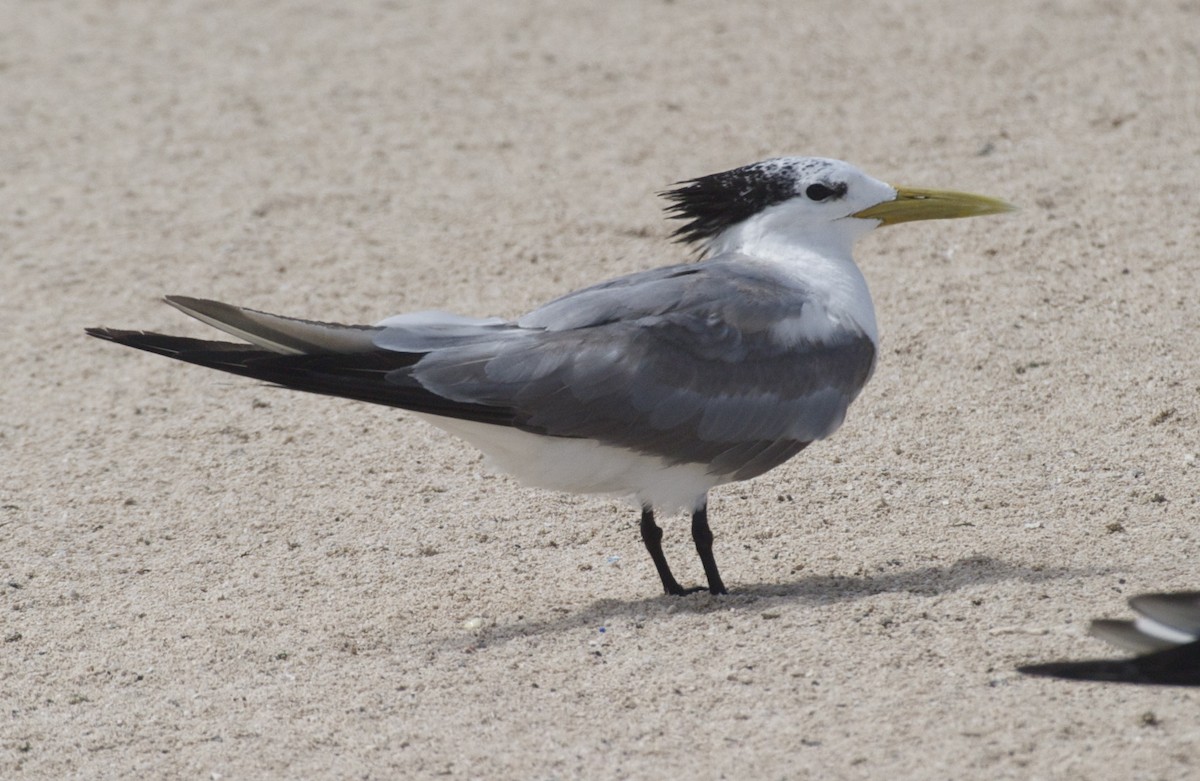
(821, 192)
(818, 192)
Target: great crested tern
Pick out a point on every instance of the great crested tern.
(658, 385)
(1165, 635)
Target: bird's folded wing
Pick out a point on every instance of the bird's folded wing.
(1178, 612)
(1163, 621)
(1166, 634)
(1127, 635)
(685, 363)
(720, 363)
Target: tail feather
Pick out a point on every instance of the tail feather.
(378, 376)
(276, 332)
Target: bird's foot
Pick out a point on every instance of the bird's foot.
(680, 591)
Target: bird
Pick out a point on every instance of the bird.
(659, 385)
(1164, 638)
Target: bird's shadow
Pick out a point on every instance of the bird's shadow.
(1179, 666)
(813, 589)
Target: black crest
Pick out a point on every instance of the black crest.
(713, 203)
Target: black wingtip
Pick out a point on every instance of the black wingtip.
(111, 334)
(201, 351)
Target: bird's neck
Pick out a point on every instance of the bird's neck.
(819, 261)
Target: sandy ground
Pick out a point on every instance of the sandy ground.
(207, 578)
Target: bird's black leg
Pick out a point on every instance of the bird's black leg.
(703, 537)
(652, 536)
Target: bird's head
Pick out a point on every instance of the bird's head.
(812, 201)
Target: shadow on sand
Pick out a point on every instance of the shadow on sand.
(812, 589)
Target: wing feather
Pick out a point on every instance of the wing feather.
(687, 363)
(692, 372)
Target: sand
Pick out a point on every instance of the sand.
(207, 578)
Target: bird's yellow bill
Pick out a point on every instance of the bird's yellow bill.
(914, 203)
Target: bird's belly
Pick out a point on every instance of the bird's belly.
(585, 466)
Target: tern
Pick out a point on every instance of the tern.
(658, 385)
(1165, 635)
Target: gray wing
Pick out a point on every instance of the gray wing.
(685, 362)
(1166, 635)
(1164, 621)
